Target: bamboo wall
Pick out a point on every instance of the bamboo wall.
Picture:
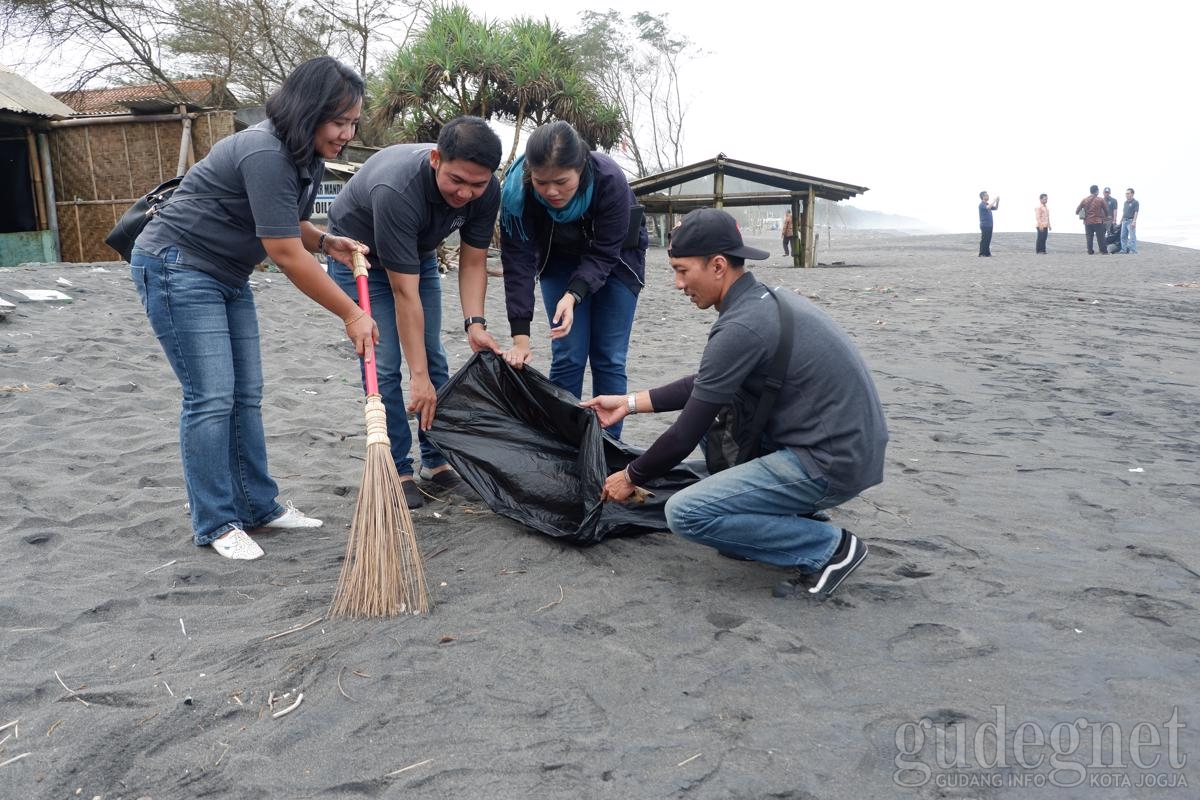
(100, 169)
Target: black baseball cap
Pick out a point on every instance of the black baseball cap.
(708, 231)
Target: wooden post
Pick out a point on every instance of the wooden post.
(128, 161)
(185, 143)
(78, 232)
(157, 153)
(35, 172)
(799, 212)
(48, 181)
(807, 247)
(87, 140)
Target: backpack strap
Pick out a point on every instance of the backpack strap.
(774, 381)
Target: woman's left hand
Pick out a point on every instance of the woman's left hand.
(564, 317)
(343, 248)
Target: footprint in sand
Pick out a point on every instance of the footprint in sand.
(934, 643)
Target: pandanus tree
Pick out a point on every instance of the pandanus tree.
(524, 72)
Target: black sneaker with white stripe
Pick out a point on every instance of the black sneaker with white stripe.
(851, 552)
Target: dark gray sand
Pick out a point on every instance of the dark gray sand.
(1034, 563)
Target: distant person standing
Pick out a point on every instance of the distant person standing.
(1094, 211)
(1111, 203)
(787, 234)
(1041, 215)
(985, 223)
(1129, 224)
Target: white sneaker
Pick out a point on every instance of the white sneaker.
(238, 545)
(292, 519)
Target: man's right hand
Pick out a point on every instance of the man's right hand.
(423, 400)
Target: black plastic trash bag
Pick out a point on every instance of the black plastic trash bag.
(535, 456)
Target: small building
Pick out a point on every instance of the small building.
(27, 224)
(705, 185)
(124, 141)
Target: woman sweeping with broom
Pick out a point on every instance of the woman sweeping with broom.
(252, 197)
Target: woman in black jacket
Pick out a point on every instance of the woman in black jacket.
(569, 219)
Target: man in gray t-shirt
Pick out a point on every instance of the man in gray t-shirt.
(825, 437)
(402, 203)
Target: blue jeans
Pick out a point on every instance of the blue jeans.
(209, 332)
(389, 357)
(599, 335)
(754, 510)
(1128, 237)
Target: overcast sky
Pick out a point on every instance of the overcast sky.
(927, 102)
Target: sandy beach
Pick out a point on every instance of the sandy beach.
(1034, 566)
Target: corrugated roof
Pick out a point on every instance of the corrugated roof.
(21, 96)
(197, 91)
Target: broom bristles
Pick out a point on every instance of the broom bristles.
(383, 574)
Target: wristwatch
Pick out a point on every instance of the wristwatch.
(469, 321)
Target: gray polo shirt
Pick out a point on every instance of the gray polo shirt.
(392, 205)
(265, 195)
(828, 411)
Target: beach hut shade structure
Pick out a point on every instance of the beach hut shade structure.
(726, 182)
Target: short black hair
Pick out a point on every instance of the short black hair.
(469, 139)
(315, 92)
(1042, 196)
(981, 194)
(1095, 189)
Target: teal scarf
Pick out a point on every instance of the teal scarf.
(512, 200)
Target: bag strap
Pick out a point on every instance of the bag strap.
(172, 186)
(774, 381)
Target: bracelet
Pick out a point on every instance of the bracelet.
(321, 243)
(350, 322)
(631, 402)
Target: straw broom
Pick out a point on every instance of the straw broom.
(383, 574)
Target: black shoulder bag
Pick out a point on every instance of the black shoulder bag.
(131, 223)
(735, 436)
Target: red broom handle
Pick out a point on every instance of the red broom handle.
(364, 302)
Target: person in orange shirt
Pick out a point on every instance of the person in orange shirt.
(787, 234)
(1041, 215)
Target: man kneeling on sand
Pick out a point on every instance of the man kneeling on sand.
(824, 439)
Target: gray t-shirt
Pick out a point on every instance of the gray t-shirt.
(828, 411)
(392, 205)
(264, 196)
